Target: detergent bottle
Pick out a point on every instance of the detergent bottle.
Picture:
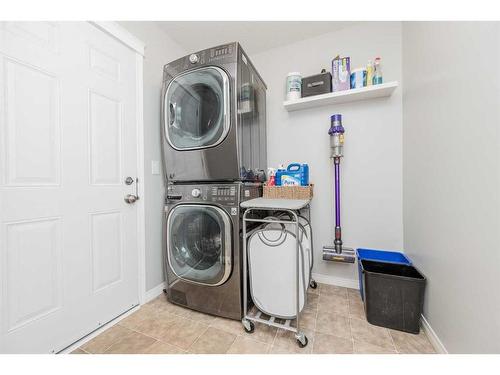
(279, 172)
(296, 174)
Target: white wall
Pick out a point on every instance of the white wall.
(160, 49)
(372, 166)
(451, 177)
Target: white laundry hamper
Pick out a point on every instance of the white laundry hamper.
(272, 255)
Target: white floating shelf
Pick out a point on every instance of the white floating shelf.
(338, 97)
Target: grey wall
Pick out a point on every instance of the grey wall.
(451, 177)
(160, 49)
(372, 166)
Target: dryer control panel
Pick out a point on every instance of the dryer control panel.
(220, 55)
(220, 52)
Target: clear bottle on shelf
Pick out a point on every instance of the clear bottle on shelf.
(369, 73)
(377, 72)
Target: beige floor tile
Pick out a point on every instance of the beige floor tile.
(313, 291)
(158, 302)
(174, 309)
(408, 343)
(229, 325)
(357, 309)
(160, 347)
(134, 343)
(333, 304)
(285, 343)
(325, 289)
(200, 317)
(100, 343)
(333, 324)
(262, 333)
(361, 347)
(329, 344)
(307, 320)
(312, 301)
(165, 315)
(78, 351)
(353, 293)
(374, 335)
(133, 320)
(246, 345)
(157, 327)
(212, 341)
(183, 332)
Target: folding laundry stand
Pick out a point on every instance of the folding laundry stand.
(292, 207)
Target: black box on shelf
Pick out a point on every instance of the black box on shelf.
(317, 84)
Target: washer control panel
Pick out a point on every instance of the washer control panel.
(223, 194)
(196, 193)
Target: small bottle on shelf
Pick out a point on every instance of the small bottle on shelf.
(377, 72)
(369, 73)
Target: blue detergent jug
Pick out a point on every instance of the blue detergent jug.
(295, 175)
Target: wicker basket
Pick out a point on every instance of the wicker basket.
(289, 192)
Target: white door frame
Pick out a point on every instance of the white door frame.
(125, 37)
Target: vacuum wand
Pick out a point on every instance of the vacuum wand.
(337, 253)
(338, 229)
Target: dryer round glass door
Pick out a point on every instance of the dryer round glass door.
(197, 109)
(199, 243)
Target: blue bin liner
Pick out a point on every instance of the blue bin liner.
(380, 256)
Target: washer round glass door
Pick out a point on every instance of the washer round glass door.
(196, 109)
(199, 243)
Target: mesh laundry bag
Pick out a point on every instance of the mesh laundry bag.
(272, 256)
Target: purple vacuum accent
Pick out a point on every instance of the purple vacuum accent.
(337, 191)
(336, 117)
(336, 124)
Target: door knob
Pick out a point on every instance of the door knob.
(131, 198)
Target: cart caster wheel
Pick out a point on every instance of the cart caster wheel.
(302, 341)
(248, 325)
(313, 284)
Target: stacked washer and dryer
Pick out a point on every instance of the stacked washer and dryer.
(214, 153)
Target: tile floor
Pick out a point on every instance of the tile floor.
(333, 320)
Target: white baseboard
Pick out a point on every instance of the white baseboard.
(337, 281)
(154, 292)
(433, 338)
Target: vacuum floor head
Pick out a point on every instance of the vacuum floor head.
(346, 255)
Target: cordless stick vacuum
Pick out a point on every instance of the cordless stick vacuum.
(337, 252)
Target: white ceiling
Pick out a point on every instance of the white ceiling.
(255, 36)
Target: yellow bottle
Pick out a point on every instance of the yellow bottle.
(369, 73)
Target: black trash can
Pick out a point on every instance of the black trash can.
(393, 295)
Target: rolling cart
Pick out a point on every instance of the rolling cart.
(285, 207)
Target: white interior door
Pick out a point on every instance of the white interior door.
(68, 140)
